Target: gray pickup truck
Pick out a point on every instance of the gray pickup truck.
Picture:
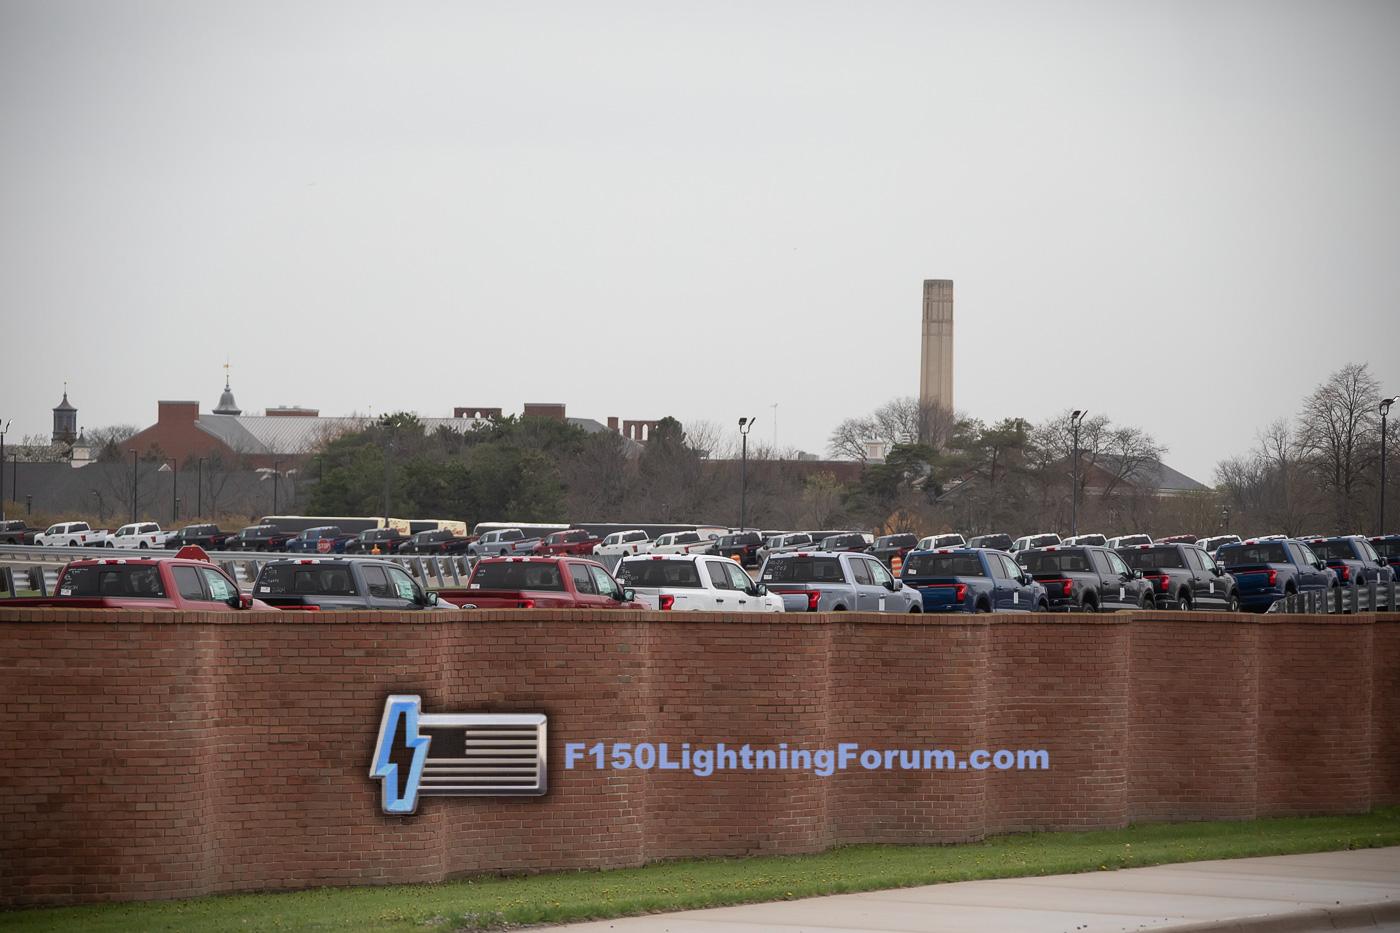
(503, 543)
(824, 581)
(334, 583)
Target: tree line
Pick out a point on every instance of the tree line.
(1318, 470)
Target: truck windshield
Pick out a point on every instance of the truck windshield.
(512, 575)
(305, 580)
(138, 581)
(943, 565)
(648, 572)
(803, 570)
(1056, 562)
(1334, 550)
(896, 541)
(1152, 558)
(1235, 555)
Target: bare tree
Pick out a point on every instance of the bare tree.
(821, 500)
(38, 448)
(109, 442)
(1338, 424)
(904, 420)
(1129, 455)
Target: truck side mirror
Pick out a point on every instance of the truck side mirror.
(240, 601)
(628, 595)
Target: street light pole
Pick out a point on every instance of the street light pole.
(3, 432)
(745, 425)
(135, 475)
(1074, 419)
(1385, 415)
(174, 489)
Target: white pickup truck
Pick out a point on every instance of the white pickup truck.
(622, 543)
(681, 542)
(694, 583)
(70, 534)
(934, 542)
(138, 536)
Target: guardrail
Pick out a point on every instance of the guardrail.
(1372, 597)
(38, 566)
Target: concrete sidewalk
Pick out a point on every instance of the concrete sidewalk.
(1280, 894)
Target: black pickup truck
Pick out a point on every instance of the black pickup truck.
(209, 537)
(1086, 579)
(1183, 576)
(336, 583)
(16, 532)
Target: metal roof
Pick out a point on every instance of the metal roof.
(294, 435)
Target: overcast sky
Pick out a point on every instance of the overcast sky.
(1181, 215)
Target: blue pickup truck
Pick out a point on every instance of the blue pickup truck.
(1388, 546)
(323, 539)
(972, 580)
(1354, 560)
(1267, 571)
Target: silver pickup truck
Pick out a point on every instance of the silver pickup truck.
(825, 581)
(507, 542)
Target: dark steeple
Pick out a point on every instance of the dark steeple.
(227, 406)
(65, 420)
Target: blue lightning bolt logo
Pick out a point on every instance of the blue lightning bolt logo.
(399, 754)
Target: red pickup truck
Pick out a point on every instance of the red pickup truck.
(186, 581)
(573, 541)
(540, 583)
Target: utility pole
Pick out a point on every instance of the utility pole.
(1385, 416)
(1074, 420)
(3, 431)
(199, 487)
(388, 462)
(134, 487)
(172, 466)
(745, 425)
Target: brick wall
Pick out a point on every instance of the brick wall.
(164, 755)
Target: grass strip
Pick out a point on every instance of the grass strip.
(495, 902)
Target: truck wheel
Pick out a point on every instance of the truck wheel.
(143, 545)
(1043, 606)
(982, 606)
(1088, 604)
(1148, 602)
(1233, 603)
(1184, 601)
(914, 609)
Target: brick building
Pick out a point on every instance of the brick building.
(284, 433)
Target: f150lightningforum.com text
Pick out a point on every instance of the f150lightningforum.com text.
(704, 760)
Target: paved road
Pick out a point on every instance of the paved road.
(1196, 896)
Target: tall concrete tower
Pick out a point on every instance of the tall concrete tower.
(936, 360)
